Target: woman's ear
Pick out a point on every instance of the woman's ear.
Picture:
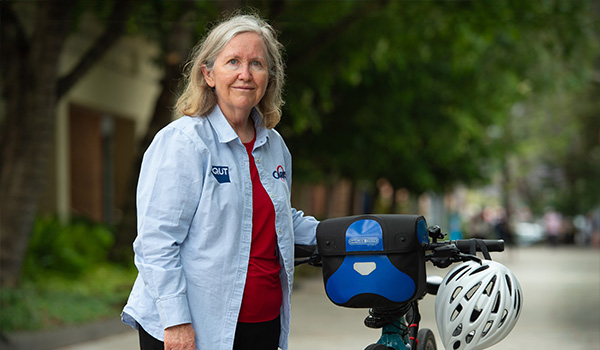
(208, 76)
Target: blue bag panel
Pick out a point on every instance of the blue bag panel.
(364, 236)
(369, 274)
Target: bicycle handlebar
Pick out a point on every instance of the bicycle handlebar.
(306, 254)
(493, 245)
(304, 251)
(443, 253)
(468, 246)
(447, 252)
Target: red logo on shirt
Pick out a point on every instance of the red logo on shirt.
(279, 173)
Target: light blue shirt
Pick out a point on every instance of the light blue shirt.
(194, 204)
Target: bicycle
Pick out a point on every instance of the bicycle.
(399, 321)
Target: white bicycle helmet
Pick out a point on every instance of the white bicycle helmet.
(477, 305)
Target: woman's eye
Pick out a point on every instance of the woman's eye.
(233, 61)
(256, 63)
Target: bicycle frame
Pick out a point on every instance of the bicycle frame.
(395, 334)
(401, 332)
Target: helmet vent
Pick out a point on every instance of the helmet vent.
(456, 312)
(455, 294)
(455, 273)
(487, 328)
(479, 269)
(456, 345)
(469, 337)
(457, 330)
(509, 282)
(472, 291)
(504, 314)
(490, 286)
(518, 302)
(475, 315)
(496, 303)
(462, 274)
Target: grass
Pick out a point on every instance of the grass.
(55, 300)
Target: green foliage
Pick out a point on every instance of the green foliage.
(555, 127)
(396, 94)
(423, 93)
(55, 300)
(558, 161)
(69, 248)
(66, 278)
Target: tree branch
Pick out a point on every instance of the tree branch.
(120, 13)
(329, 35)
(10, 18)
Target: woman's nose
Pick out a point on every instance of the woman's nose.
(245, 73)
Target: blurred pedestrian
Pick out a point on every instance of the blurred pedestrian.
(455, 226)
(479, 227)
(504, 231)
(553, 226)
(216, 230)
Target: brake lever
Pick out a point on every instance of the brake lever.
(444, 256)
(316, 261)
(469, 257)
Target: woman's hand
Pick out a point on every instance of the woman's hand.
(180, 337)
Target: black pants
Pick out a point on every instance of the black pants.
(257, 336)
(148, 342)
(248, 336)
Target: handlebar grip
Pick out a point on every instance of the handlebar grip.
(493, 245)
(304, 251)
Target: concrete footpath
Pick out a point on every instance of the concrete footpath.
(561, 310)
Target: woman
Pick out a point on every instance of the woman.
(216, 230)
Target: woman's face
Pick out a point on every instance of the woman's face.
(240, 75)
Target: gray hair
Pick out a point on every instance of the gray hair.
(199, 99)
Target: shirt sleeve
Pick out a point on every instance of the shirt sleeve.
(168, 193)
(305, 228)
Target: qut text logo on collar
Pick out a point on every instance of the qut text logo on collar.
(279, 173)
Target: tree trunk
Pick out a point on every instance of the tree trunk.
(28, 126)
(31, 88)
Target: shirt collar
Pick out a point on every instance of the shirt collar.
(259, 127)
(225, 132)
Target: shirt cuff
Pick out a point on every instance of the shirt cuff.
(174, 311)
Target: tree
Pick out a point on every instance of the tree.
(407, 100)
(423, 93)
(31, 87)
(554, 127)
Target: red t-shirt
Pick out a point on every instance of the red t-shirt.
(262, 295)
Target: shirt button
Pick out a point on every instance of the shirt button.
(278, 231)
(258, 160)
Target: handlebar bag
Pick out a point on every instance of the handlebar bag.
(373, 260)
